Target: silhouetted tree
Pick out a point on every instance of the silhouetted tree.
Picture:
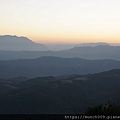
(105, 109)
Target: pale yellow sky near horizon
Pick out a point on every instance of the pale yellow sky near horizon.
(61, 21)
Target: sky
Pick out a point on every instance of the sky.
(61, 21)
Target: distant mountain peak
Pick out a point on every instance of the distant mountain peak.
(15, 43)
(93, 44)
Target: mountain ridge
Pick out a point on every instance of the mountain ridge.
(51, 65)
(86, 52)
(16, 43)
(58, 95)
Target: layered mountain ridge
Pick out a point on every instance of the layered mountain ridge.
(58, 95)
(54, 66)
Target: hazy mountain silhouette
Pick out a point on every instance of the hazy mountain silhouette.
(97, 52)
(47, 66)
(85, 52)
(91, 44)
(15, 43)
(59, 47)
(56, 95)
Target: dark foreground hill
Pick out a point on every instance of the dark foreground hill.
(55, 95)
(47, 66)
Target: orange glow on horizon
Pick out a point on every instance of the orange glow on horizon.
(77, 38)
(66, 21)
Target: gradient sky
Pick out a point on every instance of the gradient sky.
(61, 21)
